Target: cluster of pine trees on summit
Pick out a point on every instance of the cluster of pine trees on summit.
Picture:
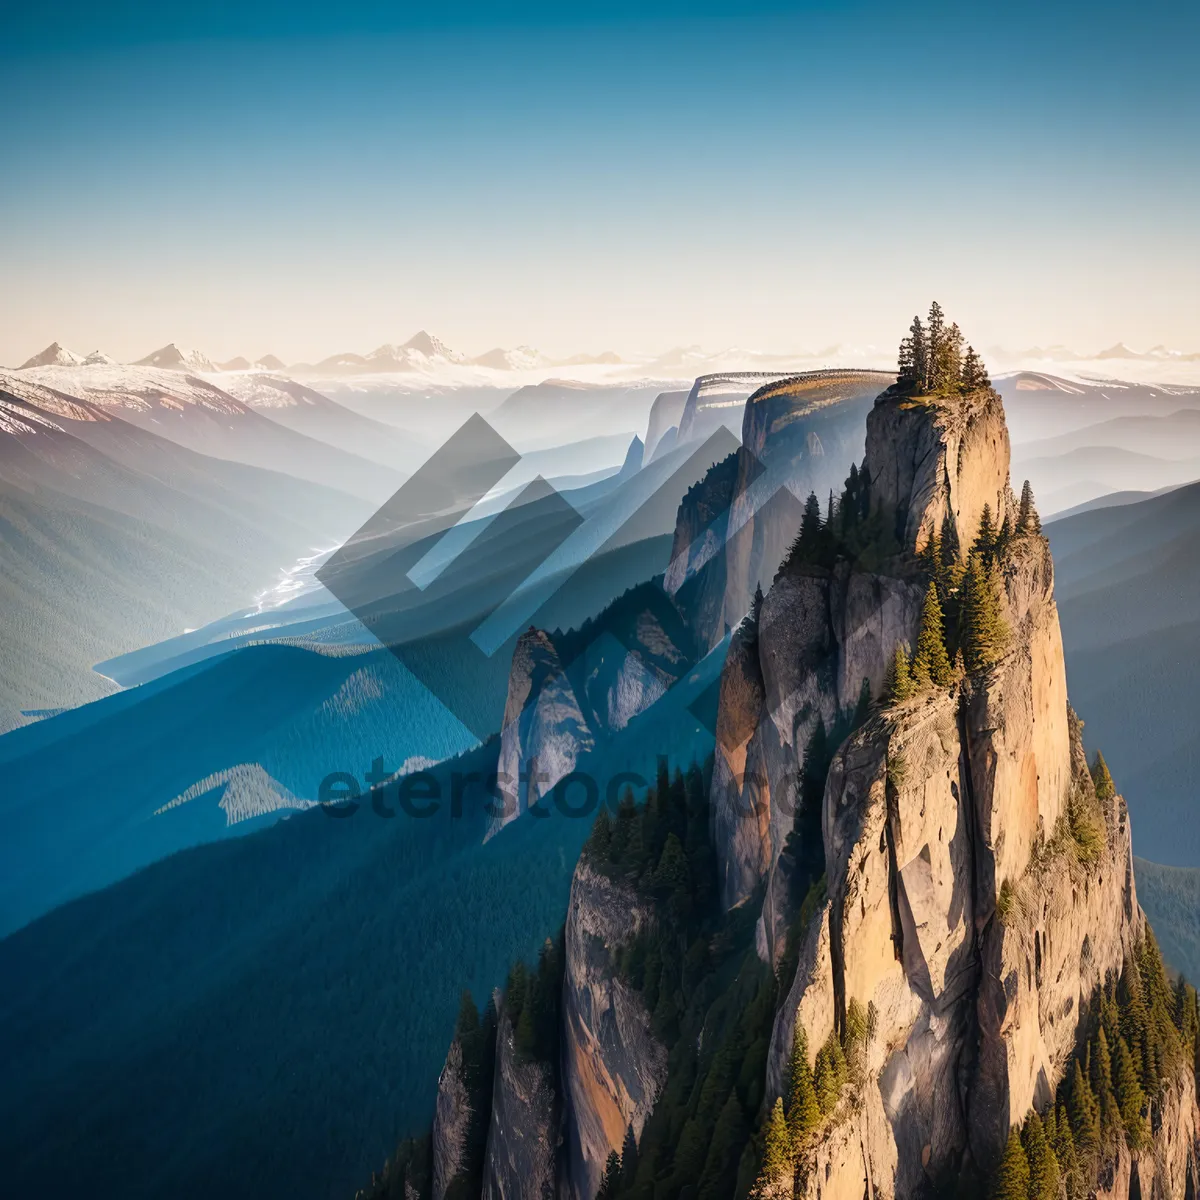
(933, 361)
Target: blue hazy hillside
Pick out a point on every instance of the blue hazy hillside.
(303, 979)
(1127, 578)
(226, 733)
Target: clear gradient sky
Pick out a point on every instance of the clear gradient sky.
(263, 176)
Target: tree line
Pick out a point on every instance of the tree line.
(711, 1000)
(934, 360)
(1143, 1032)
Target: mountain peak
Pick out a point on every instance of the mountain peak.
(1120, 350)
(173, 358)
(433, 347)
(54, 355)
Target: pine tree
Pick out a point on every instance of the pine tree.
(1130, 1097)
(920, 355)
(935, 347)
(985, 540)
(974, 374)
(729, 1135)
(904, 367)
(1084, 1116)
(899, 685)
(810, 521)
(983, 632)
(756, 606)
(629, 1157)
(468, 1017)
(830, 1074)
(1063, 1142)
(931, 664)
(1012, 1179)
(1102, 1085)
(600, 839)
(857, 1037)
(803, 1111)
(1187, 1013)
(672, 870)
(776, 1172)
(1103, 780)
(1004, 536)
(610, 1181)
(950, 367)
(1028, 520)
(1043, 1166)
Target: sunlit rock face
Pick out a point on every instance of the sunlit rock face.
(929, 808)
(613, 1067)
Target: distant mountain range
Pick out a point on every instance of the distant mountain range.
(421, 353)
(1060, 353)
(424, 354)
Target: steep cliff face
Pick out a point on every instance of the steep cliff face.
(822, 632)
(566, 692)
(978, 896)
(961, 911)
(544, 729)
(525, 1132)
(664, 414)
(798, 435)
(613, 1067)
(451, 1120)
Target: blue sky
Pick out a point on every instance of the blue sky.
(301, 179)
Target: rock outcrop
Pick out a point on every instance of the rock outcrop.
(524, 1133)
(453, 1117)
(798, 435)
(566, 692)
(613, 1066)
(544, 729)
(960, 912)
(664, 415)
(978, 894)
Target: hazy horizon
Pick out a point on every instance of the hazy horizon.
(261, 180)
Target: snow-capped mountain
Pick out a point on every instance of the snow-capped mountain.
(422, 352)
(268, 362)
(173, 358)
(55, 355)
(523, 358)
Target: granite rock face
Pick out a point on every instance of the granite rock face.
(960, 911)
(612, 1065)
(452, 1119)
(932, 810)
(798, 435)
(544, 730)
(524, 1135)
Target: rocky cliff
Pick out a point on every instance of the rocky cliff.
(942, 891)
(524, 1132)
(961, 911)
(567, 692)
(613, 1066)
(798, 435)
